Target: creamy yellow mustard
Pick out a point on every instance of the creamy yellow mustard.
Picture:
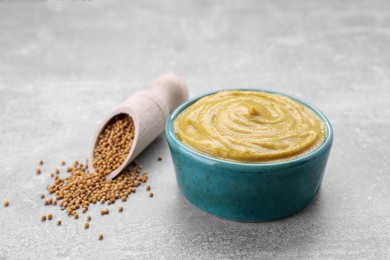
(250, 126)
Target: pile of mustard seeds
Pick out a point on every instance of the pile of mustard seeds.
(113, 144)
(80, 188)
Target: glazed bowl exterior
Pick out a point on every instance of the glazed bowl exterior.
(248, 191)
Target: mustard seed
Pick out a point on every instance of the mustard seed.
(50, 217)
(148, 187)
(76, 216)
(6, 203)
(120, 209)
(43, 218)
(159, 158)
(89, 218)
(59, 222)
(86, 225)
(100, 236)
(150, 194)
(40, 162)
(38, 171)
(57, 171)
(42, 196)
(63, 163)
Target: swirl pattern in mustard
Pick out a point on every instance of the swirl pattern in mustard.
(250, 126)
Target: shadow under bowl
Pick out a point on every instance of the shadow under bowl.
(248, 191)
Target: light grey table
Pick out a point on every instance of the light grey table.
(65, 64)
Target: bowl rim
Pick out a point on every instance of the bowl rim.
(170, 133)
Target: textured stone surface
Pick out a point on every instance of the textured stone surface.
(65, 64)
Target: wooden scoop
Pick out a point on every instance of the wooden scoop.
(149, 110)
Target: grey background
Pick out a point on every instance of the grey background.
(64, 65)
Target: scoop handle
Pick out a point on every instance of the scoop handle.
(171, 89)
(166, 93)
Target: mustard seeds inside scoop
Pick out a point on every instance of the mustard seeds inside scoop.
(114, 144)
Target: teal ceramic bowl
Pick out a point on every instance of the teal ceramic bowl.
(245, 191)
